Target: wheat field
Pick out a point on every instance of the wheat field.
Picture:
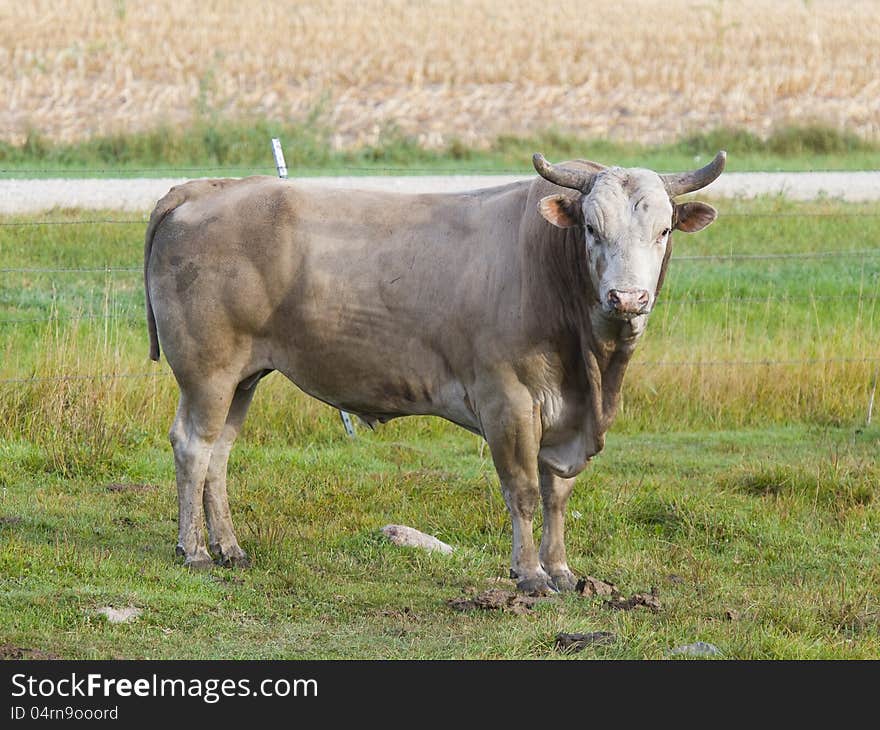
(633, 70)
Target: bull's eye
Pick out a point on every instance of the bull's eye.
(590, 230)
(665, 233)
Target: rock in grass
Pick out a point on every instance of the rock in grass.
(120, 615)
(697, 649)
(410, 537)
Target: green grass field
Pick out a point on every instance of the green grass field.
(740, 480)
(213, 147)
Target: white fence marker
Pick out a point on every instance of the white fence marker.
(278, 154)
(871, 399)
(281, 166)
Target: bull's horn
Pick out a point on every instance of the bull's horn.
(687, 182)
(564, 176)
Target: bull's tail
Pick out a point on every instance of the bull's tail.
(172, 199)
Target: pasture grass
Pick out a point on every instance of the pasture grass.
(214, 146)
(761, 542)
(739, 481)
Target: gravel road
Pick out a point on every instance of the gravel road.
(141, 194)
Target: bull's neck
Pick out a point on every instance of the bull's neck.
(602, 347)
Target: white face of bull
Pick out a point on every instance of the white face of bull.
(627, 217)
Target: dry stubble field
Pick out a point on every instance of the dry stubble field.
(635, 70)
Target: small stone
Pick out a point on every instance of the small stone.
(410, 537)
(120, 615)
(697, 649)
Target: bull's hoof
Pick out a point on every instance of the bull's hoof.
(233, 557)
(538, 586)
(234, 561)
(198, 563)
(565, 581)
(179, 552)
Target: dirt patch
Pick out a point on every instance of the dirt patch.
(571, 643)
(7, 520)
(638, 600)
(131, 487)
(496, 599)
(9, 651)
(404, 614)
(589, 586)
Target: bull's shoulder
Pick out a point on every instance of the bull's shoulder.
(190, 191)
(204, 188)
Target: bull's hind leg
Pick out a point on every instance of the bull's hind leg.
(555, 492)
(201, 418)
(221, 534)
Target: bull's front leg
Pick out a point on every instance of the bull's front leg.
(555, 492)
(513, 432)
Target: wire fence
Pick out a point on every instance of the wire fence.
(814, 252)
(91, 222)
(733, 214)
(635, 363)
(838, 253)
(138, 315)
(331, 170)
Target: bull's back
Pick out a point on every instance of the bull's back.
(366, 300)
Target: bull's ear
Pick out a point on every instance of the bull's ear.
(693, 217)
(561, 210)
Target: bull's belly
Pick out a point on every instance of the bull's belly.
(380, 393)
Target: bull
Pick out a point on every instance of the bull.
(511, 311)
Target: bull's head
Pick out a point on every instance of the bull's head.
(627, 216)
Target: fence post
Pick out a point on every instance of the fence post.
(281, 166)
(871, 399)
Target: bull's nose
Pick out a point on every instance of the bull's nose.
(628, 301)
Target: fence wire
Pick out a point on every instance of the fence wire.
(91, 222)
(108, 269)
(143, 221)
(93, 376)
(132, 316)
(329, 171)
(642, 363)
(137, 316)
(75, 270)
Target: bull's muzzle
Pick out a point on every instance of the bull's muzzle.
(628, 302)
